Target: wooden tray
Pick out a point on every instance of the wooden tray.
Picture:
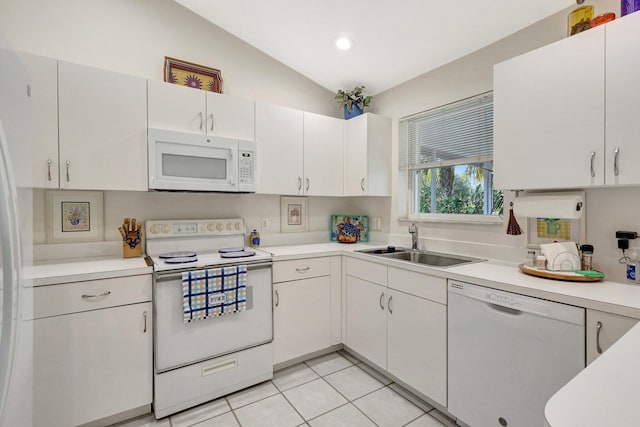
(558, 275)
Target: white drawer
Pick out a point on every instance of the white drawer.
(284, 271)
(421, 285)
(369, 271)
(75, 297)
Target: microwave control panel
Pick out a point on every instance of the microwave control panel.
(247, 167)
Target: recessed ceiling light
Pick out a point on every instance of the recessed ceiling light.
(343, 43)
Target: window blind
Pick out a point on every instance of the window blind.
(457, 133)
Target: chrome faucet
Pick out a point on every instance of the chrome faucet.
(414, 236)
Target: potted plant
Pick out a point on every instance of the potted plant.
(352, 101)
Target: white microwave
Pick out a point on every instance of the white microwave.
(183, 161)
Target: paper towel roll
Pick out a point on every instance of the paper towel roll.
(568, 206)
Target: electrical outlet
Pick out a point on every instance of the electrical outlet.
(375, 223)
(264, 223)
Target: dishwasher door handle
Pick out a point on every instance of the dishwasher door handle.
(503, 309)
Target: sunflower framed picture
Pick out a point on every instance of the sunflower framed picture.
(192, 75)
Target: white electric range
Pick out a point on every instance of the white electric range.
(199, 361)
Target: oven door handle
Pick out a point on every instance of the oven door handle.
(162, 277)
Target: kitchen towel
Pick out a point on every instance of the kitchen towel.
(565, 206)
(214, 292)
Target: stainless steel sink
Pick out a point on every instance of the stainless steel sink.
(384, 251)
(434, 259)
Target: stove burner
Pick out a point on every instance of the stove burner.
(181, 260)
(227, 250)
(181, 254)
(240, 254)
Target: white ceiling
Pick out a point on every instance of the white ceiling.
(394, 41)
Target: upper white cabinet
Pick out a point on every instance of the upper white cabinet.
(565, 115)
(549, 115)
(323, 155)
(102, 129)
(623, 100)
(368, 156)
(279, 136)
(181, 108)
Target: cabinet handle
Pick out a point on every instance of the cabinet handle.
(307, 189)
(145, 321)
(616, 154)
(68, 163)
(211, 116)
(302, 270)
(201, 120)
(299, 183)
(104, 294)
(598, 329)
(277, 298)
(389, 304)
(362, 184)
(593, 172)
(49, 169)
(381, 298)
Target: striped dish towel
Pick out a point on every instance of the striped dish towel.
(214, 292)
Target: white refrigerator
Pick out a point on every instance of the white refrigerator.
(16, 338)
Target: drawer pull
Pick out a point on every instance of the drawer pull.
(598, 329)
(145, 321)
(302, 270)
(104, 294)
(277, 298)
(219, 367)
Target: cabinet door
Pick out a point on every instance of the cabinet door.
(176, 107)
(417, 343)
(623, 102)
(356, 156)
(603, 330)
(92, 365)
(301, 317)
(279, 134)
(230, 116)
(42, 74)
(323, 155)
(367, 320)
(549, 116)
(103, 129)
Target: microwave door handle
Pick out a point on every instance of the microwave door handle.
(231, 177)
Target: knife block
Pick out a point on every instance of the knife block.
(129, 252)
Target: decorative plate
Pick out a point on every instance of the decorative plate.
(349, 228)
(192, 75)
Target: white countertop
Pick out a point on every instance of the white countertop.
(65, 271)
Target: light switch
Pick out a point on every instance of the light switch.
(264, 223)
(376, 223)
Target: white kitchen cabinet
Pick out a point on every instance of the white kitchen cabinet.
(549, 116)
(368, 156)
(92, 364)
(603, 330)
(304, 306)
(102, 129)
(323, 155)
(622, 100)
(366, 331)
(185, 109)
(417, 332)
(279, 141)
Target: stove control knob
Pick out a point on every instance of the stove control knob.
(238, 226)
(219, 227)
(210, 227)
(166, 229)
(154, 229)
(229, 226)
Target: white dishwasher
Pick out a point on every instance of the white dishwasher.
(508, 354)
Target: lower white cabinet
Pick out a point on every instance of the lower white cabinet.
(93, 365)
(307, 306)
(603, 330)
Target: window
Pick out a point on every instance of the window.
(447, 153)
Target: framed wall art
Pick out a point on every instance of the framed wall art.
(74, 216)
(192, 75)
(293, 214)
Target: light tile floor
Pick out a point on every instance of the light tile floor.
(329, 391)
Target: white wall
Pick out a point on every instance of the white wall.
(472, 75)
(134, 36)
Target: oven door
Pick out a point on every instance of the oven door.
(179, 344)
(192, 162)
